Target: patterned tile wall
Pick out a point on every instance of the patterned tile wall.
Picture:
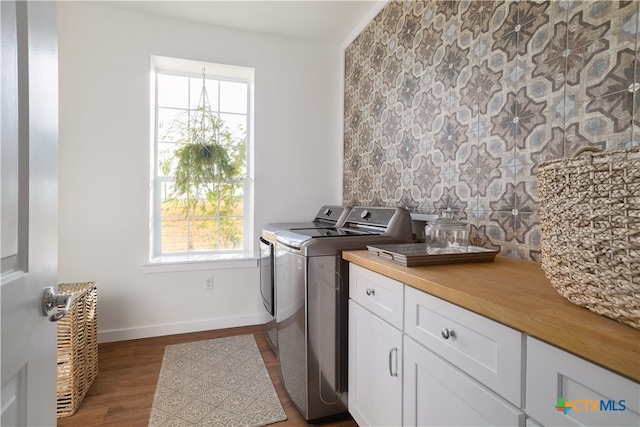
(450, 105)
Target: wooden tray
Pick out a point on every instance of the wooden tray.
(414, 254)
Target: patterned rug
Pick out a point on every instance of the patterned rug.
(219, 382)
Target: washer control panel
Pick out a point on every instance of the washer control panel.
(376, 216)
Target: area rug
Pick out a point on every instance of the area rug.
(218, 382)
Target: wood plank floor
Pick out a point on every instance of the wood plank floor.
(122, 393)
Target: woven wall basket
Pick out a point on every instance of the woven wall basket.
(590, 225)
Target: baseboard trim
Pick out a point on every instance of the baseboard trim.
(180, 328)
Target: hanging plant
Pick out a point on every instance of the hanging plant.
(202, 160)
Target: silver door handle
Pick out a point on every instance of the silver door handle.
(50, 302)
(393, 350)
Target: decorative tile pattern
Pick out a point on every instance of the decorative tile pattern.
(450, 105)
(219, 382)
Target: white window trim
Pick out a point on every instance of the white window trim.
(194, 260)
(176, 265)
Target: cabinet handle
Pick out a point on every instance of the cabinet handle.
(393, 350)
(370, 291)
(446, 333)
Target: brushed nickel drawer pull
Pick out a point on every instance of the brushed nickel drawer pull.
(446, 333)
(371, 291)
(393, 350)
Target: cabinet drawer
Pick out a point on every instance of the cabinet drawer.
(379, 294)
(586, 393)
(487, 350)
(437, 394)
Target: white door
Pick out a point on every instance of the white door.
(375, 369)
(29, 119)
(438, 394)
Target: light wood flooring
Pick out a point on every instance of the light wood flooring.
(122, 393)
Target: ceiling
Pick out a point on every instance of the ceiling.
(317, 20)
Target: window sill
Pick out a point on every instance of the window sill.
(168, 264)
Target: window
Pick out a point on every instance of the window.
(201, 198)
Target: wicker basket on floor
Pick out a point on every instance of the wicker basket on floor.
(590, 225)
(77, 346)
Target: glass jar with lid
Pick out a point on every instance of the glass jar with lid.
(447, 235)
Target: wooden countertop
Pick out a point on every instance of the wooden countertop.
(518, 294)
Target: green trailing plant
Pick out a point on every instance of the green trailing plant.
(208, 161)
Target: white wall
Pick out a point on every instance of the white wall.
(104, 59)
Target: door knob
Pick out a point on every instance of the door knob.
(50, 302)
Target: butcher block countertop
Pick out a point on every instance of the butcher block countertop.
(518, 294)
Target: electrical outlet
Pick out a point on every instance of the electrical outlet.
(208, 284)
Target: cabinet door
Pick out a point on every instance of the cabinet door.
(565, 390)
(438, 394)
(375, 369)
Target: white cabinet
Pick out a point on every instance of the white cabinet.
(375, 369)
(489, 351)
(565, 390)
(459, 366)
(418, 360)
(375, 348)
(403, 372)
(438, 394)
